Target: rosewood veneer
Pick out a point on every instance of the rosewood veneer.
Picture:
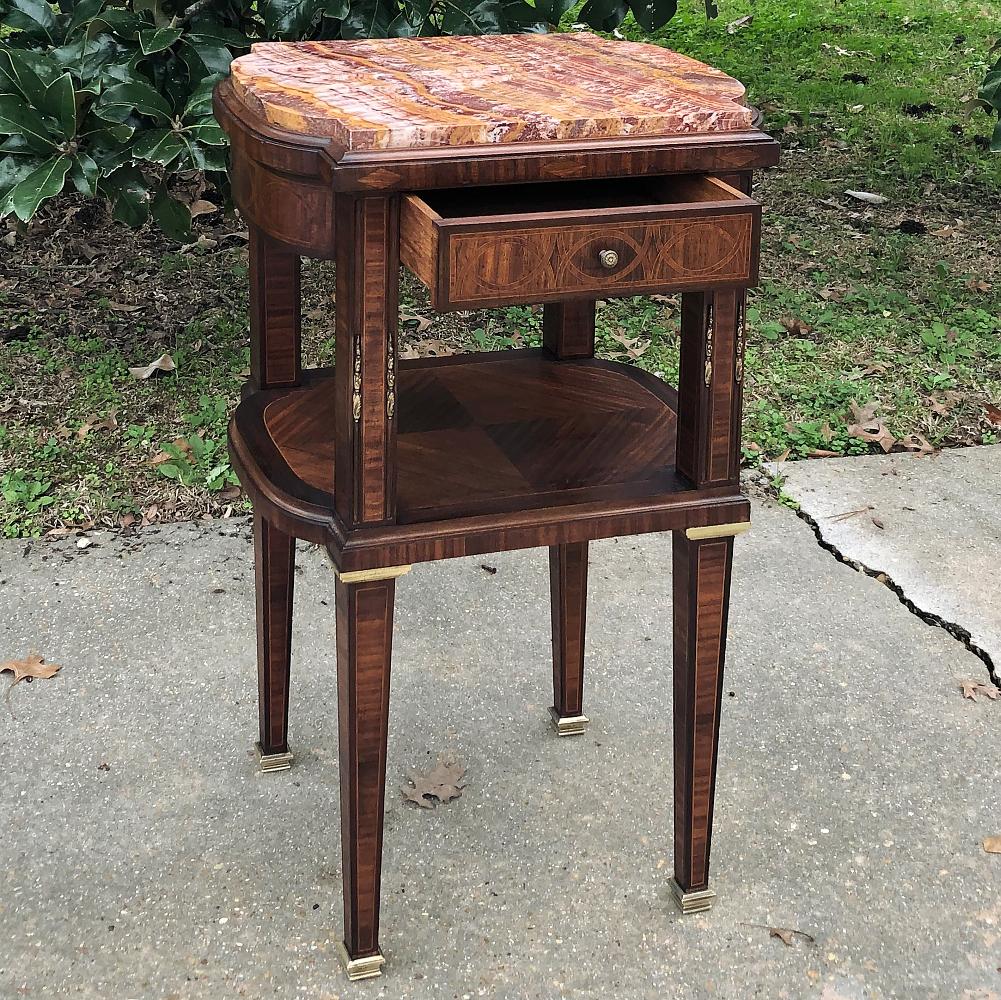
(508, 169)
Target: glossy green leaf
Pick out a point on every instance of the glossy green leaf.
(171, 216)
(120, 22)
(205, 57)
(129, 195)
(12, 170)
(16, 118)
(368, 19)
(208, 133)
(84, 174)
(44, 182)
(157, 39)
(34, 17)
(199, 104)
(59, 101)
(553, 10)
(161, 146)
(26, 73)
(288, 18)
(118, 102)
(484, 18)
(83, 13)
(653, 14)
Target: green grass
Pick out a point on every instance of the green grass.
(896, 305)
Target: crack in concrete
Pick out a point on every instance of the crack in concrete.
(954, 629)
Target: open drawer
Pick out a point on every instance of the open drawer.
(479, 247)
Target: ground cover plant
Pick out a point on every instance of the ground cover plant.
(876, 323)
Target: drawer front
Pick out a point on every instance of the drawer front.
(534, 263)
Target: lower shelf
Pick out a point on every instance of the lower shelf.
(501, 439)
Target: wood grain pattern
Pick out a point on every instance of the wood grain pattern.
(568, 329)
(568, 593)
(701, 603)
(710, 387)
(274, 565)
(275, 335)
(515, 251)
(364, 649)
(497, 434)
(493, 89)
(368, 267)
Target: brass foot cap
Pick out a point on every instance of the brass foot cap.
(360, 968)
(692, 902)
(274, 761)
(568, 725)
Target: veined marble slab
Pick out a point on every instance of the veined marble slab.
(406, 93)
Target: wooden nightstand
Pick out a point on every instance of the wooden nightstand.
(505, 169)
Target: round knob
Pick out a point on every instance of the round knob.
(608, 258)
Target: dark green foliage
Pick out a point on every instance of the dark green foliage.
(990, 97)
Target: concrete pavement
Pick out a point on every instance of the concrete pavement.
(143, 856)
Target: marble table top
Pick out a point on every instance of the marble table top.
(415, 93)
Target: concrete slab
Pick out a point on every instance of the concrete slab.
(142, 856)
(933, 525)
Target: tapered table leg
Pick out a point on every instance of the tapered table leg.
(274, 554)
(701, 599)
(364, 644)
(568, 587)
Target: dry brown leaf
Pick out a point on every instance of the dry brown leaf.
(164, 363)
(974, 689)
(795, 326)
(978, 285)
(423, 323)
(92, 423)
(992, 845)
(428, 348)
(125, 307)
(918, 443)
(742, 22)
(868, 428)
(993, 414)
(202, 207)
(444, 782)
(28, 669)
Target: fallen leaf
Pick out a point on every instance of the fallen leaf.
(125, 307)
(92, 423)
(993, 414)
(742, 22)
(786, 934)
(164, 363)
(918, 443)
(28, 669)
(868, 428)
(428, 348)
(868, 197)
(974, 689)
(423, 323)
(795, 326)
(978, 285)
(992, 845)
(202, 207)
(878, 523)
(444, 782)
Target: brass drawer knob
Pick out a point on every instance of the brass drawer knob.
(608, 258)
